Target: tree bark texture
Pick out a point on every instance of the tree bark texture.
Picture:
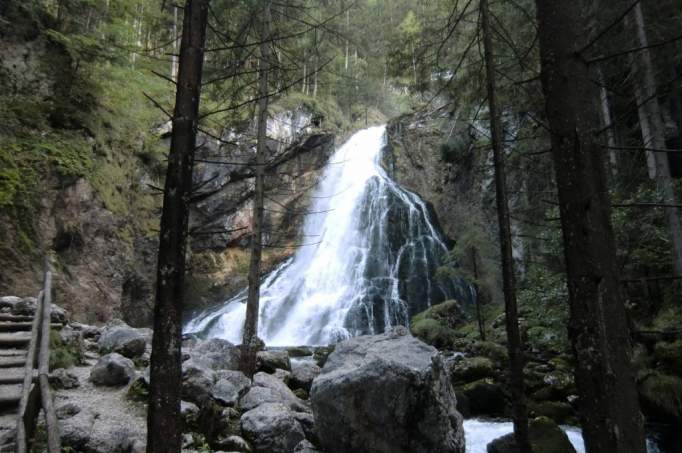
(163, 423)
(609, 408)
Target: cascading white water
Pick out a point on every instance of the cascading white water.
(372, 267)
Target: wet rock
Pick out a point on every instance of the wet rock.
(270, 361)
(123, 339)
(112, 370)
(62, 379)
(271, 428)
(303, 374)
(386, 393)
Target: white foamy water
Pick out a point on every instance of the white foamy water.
(375, 255)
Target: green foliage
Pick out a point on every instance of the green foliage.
(63, 355)
(661, 394)
(138, 392)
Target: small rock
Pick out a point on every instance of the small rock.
(122, 339)
(58, 314)
(189, 413)
(270, 361)
(62, 379)
(89, 332)
(232, 443)
(67, 410)
(271, 428)
(112, 369)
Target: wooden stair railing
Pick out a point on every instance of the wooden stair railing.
(38, 394)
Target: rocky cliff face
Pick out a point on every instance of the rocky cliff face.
(432, 156)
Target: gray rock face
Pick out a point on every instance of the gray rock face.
(123, 339)
(217, 354)
(280, 389)
(62, 379)
(230, 386)
(271, 428)
(112, 369)
(270, 361)
(386, 393)
(303, 374)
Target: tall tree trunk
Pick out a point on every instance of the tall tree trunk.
(250, 338)
(653, 133)
(516, 359)
(609, 408)
(163, 424)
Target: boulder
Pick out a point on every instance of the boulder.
(271, 428)
(122, 339)
(470, 369)
(321, 354)
(230, 386)
(58, 314)
(303, 374)
(287, 397)
(486, 398)
(89, 332)
(257, 396)
(544, 435)
(386, 393)
(300, 351)
(62, 379)
(112, 369)
(197, 381)
(270, 361)
(217, 354)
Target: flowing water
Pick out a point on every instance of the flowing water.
(372, 265)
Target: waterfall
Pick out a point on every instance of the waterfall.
(370, 263)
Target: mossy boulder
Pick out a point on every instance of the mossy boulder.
(557, 385)
(545, 437)
(436, 325)
(661, 395)
(669, 355)
(485, 398)
(494, 351)
(470, 369)
(559, 411)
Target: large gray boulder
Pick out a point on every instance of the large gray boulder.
(217, 354)
(123, 339)
(229, 387)
(386, 393)
(272, 428)
(112, 369)
(280, 389)
(303, 374)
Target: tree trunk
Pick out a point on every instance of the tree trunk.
(520, 416)
(609, 408)
(653, 134)
(250, 339)
(174, 32)
(164, 425)
(479, 314)
(607, 122)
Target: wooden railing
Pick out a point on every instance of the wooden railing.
(36, 392)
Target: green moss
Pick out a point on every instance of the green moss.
(63, 355)
(669, 355)
(473, 368)
(433, 332)
(138, 392)
(558, 411)
(546, 437)
(661, 395)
